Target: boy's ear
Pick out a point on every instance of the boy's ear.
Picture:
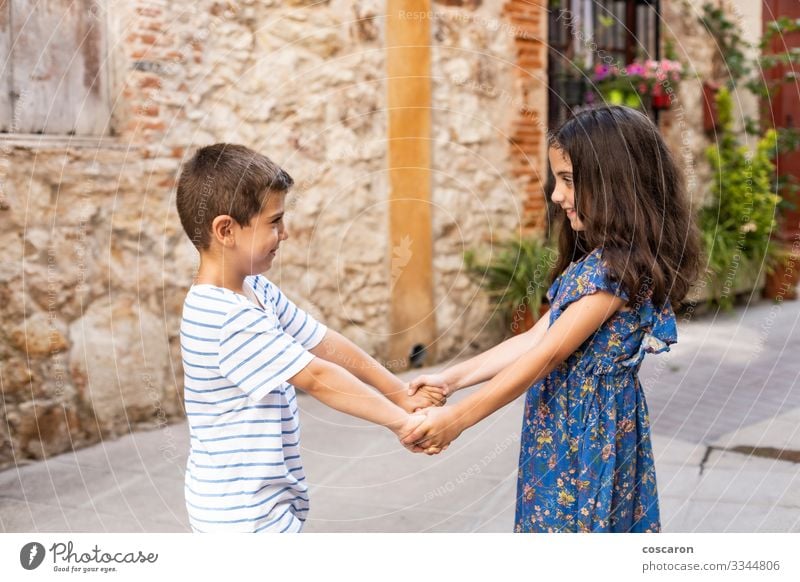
(222, 230)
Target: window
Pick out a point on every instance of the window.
(583, 31)
(52, 67)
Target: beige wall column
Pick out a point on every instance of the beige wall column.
(408, 63)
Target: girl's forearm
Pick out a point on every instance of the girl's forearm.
(505, 387)
(491, 362)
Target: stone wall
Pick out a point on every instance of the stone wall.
(477, 199)
(96, 264)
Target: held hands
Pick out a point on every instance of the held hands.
(434, 433)
(425, 397)
(432, 427)
(403, 431)
(431, 382)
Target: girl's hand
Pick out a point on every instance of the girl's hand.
(440, 427)
(431, 381)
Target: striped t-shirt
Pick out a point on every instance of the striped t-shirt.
(244, 472)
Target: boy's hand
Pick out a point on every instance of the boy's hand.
(412, 422)
(423, 398)
(431, 381)
(434, 434)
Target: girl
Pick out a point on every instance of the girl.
(628, 250)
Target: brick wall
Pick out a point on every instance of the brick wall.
(528, 135)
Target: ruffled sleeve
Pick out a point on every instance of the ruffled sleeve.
(584, 278)
(660, 326)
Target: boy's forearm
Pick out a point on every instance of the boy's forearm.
(339, 389)
(339, 350)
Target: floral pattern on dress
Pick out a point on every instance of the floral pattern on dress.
(586, 460)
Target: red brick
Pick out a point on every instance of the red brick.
(150, 82)
(149, 110)
(153, 125)
(527, 135)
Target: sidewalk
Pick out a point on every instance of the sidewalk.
(724, 404)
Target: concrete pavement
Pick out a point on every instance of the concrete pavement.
(724, 404)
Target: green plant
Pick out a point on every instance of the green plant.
(516, 275)
(767, 73)
(765, 85)
(738, 223)
(730, 58)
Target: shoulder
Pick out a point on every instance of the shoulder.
(245, 315)
(263, 287)
(207, 301)
(593, 273)
(585, 277)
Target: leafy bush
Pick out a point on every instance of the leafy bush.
(517, 275)
(741, 217)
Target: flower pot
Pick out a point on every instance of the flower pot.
(710, 113)
(781, 284)
(661, 101)
(522, 318)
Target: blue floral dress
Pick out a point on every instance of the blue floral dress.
(586, 462)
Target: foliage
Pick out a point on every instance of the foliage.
(731, 50)
(517, 274)
(764, 76)
(738, 223)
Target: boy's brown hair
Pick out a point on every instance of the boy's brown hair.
(225, 179)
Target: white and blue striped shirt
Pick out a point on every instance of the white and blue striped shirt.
(244, 472)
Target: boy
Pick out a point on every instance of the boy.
(246, 346)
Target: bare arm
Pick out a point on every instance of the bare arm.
(486, 365)
(339, 350)
(336, 348)
(578, 322)
(339, 389)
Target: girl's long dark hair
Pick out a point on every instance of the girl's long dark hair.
(632, 200)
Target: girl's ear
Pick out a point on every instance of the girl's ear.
(222, 230)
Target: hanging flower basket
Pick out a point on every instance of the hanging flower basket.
(661, 102)
(710, 112)
(641, 84)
